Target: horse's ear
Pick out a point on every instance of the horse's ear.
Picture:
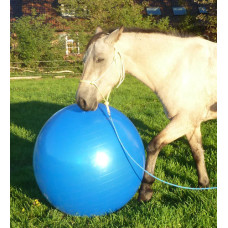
(98, 30)
(114, 36)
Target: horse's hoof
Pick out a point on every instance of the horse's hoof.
(145, 195)
(205, 183)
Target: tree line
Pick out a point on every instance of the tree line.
(32, 37)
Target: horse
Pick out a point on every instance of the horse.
(180, 70)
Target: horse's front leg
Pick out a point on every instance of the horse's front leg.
(174, 130)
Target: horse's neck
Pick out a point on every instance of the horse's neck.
(145, 56)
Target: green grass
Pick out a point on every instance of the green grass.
(34, 101)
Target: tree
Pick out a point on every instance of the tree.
(107, 14)
(33, 37)
(210, 21)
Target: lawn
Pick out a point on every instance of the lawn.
(34, 101)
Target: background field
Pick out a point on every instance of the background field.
(34, 101)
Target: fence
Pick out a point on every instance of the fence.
(55, 68)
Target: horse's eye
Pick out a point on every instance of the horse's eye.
(99, 60)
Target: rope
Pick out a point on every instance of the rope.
(106, 102)
(165, 182)
(121, 79)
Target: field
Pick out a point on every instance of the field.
(34, 101)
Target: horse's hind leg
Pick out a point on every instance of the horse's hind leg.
(195, 140)
(174, 130)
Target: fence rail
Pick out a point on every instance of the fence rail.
(46, 61)
(59, 68)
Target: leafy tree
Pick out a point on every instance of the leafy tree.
(33, 37)
(108, 13)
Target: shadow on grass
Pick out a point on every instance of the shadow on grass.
(30, 116)
(144, 129)
(150, 132)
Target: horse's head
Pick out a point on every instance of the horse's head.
(103, 69)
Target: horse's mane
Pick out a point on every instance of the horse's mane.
(154, 30)
(139, 30)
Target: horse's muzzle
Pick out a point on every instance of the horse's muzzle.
(85, 105)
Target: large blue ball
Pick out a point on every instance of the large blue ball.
(79, 164)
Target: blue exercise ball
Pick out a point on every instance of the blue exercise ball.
(79, 164)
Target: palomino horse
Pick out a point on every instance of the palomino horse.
(180, 70)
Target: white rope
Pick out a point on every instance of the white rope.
(121, 78)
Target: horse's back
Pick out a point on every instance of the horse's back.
(191, 86)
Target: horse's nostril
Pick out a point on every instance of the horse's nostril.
(82, 103)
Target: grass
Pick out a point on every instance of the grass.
(34, 101)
